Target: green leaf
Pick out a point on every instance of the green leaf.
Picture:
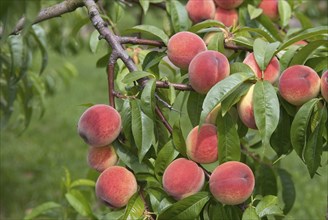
(300, 126)
(206, 24)
(94, 41)
(116, 12)
(103, 61)
(285, 13)
(263, 52)
(227, 212)
(254, 12)
(32, 9)
(148, 100)
(135, 75)
(280, 139)
(83, 182)
(271, 28)
(318, 64)
(76, 199)
(142, 129)
(149, 29)
(258, 31)
(228, 139)
(187, 208)
(288, 190)
(179, 16)
(41, 209)
(178, 140)
(250, 214)
(266, 181)
(135, 208)
(165, 156)
(217, 42)
(304, 35)
(303, 54)
(145, 5)
(266, 110)
(287, 57)
(130, 159)
(152, 58)
(268, 206)
(194, 107)
(40, 37)
(222, 90)
(314, 144)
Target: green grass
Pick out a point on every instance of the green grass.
(32, 164)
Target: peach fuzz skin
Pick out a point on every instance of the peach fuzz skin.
(228, 4)
(183, 178)
(271, 73)
(270, 8)
(206, 69)
(245, 109)
(324, 85)
(100, 158)
(232, 183)
(202, 144)
(200, 10)
(228, 17)
(115, 186)
(183, 47)
(298, 84)
(99, 125)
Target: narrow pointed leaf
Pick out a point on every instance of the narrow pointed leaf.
(288, 190)
(41, 209)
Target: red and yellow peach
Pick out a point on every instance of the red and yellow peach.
(245, 109)
(100, 158)
(228, 17)
(228, 4)
(324, 85)
(200, 10)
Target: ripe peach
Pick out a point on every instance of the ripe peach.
(270, 8)
(228, 4)
(245, 109)
(206, 69)
(99, 125)
(100, 158)
(116, 185)
(200, 10)
(271, 73)
(232, 183)
(298, 84)
(183, 178)
(202, 144)
(324, 85)
(228, 17)
(182, 47)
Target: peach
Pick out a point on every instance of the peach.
(202, 144)
(99, 125)
(270, 9)
(298, 84)
(200, 10)
(245, 109)
(183, 47)
(206, 69)
(100, 158)
(271, 73)
(228, 17)
(211, 117)
(115, 186)
(183, 178)
(324, 85)
(232, 183)
(228, 4)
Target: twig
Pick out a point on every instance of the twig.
(139, 41)
(163, 119)
(177, 86)
(254, 156)
(110, 80)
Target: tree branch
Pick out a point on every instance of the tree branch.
(50, 12)
(135, 40)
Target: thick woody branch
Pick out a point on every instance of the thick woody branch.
(50, 12)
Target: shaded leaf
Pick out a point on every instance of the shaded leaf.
(41, 209)
(149, 29)
(268, 206)
(135, 75)
(135, 208)
(179, 16)
(288, 190)
(285, 13)
(250, 214)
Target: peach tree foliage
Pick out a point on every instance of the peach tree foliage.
(158, 106)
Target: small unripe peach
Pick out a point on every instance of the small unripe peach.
(183, 178)
(100, 158)
(271, 73)
(206, 69)
(246, 110)
(270, 8)
(232, 183)
(324, 85)
(202, 144)
(183, 47)
(99, 125)
(298, 84)
(200, 10)
(116, 185)
(228, 4)
(228, 17)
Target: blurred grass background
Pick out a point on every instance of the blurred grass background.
(32, 163)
